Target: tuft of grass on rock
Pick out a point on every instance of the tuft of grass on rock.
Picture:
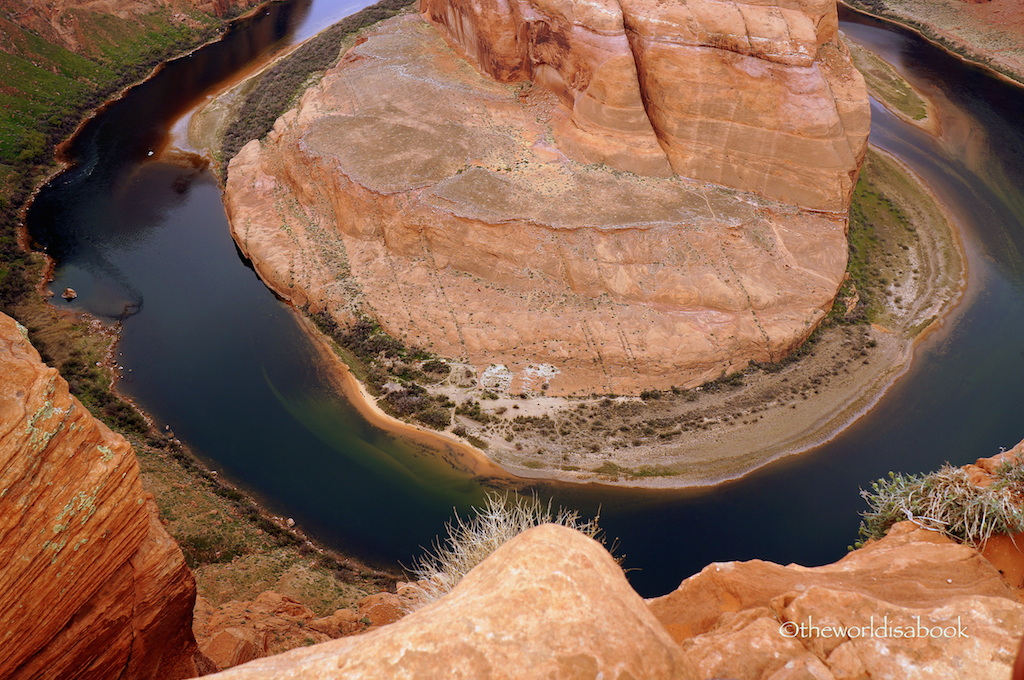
(471, 540)
(946, 501)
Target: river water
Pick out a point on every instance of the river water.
(209, 351)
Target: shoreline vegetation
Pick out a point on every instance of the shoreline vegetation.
(218, 526)
(961, 38)
(902, 281)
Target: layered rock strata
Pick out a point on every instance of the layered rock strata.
(552, 603)
(411, 188)
(756, 95)
(90, 583)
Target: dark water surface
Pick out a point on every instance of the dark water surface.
(208, 350)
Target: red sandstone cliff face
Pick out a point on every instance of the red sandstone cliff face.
(408, 187)
(91, 586)
(760, 96)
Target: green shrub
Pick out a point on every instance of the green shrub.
(947, 501)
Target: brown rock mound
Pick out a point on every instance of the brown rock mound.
(90, 583)
(549, 604)
(410, 188)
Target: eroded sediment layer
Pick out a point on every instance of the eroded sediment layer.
(90, 583)
(409, 187)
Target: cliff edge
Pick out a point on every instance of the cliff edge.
(552, 603)
(90, 583)
(605, 199)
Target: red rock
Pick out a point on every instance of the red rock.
(551, 603)
(911, 577)
(760, 96)
(89, 579)
(443, 210)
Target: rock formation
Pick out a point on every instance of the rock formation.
(552, 603)
(240, 631)
(90, 583)
(760, 96)
(743, 620)
(412, 188)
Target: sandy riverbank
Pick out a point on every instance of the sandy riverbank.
(989, 34)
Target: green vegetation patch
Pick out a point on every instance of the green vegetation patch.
(879, 232)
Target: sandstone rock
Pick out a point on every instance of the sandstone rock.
(760, 96)
(239, 631)
(90, 583)
(912, 578)
(551, 603)
(381, 609)
(233, 646)
(442, 208)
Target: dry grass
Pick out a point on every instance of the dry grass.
(470, 541)
(947, 501)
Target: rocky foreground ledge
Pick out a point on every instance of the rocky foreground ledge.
(91, 585)
(553, 603)
(498, 223)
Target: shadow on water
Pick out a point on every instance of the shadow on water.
(213, 354)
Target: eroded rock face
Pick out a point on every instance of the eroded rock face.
(90, 583)
(756, 95)
(411, 188)
(551, 603)
(741, 619)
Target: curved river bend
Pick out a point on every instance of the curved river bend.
(207, 349)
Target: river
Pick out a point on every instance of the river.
(209, 351)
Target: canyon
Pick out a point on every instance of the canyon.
(704, 629)
(100, 590)
(553, 603)
(477, 199)
(988, 32)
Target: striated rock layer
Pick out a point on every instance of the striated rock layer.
(411, 188)
(90, 583)
(751, 94)
(552, 603)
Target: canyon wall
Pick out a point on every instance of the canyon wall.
(756, 95)
(552, 603)
(91, 586)
(468, 216)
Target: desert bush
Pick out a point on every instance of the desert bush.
(947, 501)
(470, 541)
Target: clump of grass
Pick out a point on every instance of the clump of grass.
(947, 501)
(470, 541)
